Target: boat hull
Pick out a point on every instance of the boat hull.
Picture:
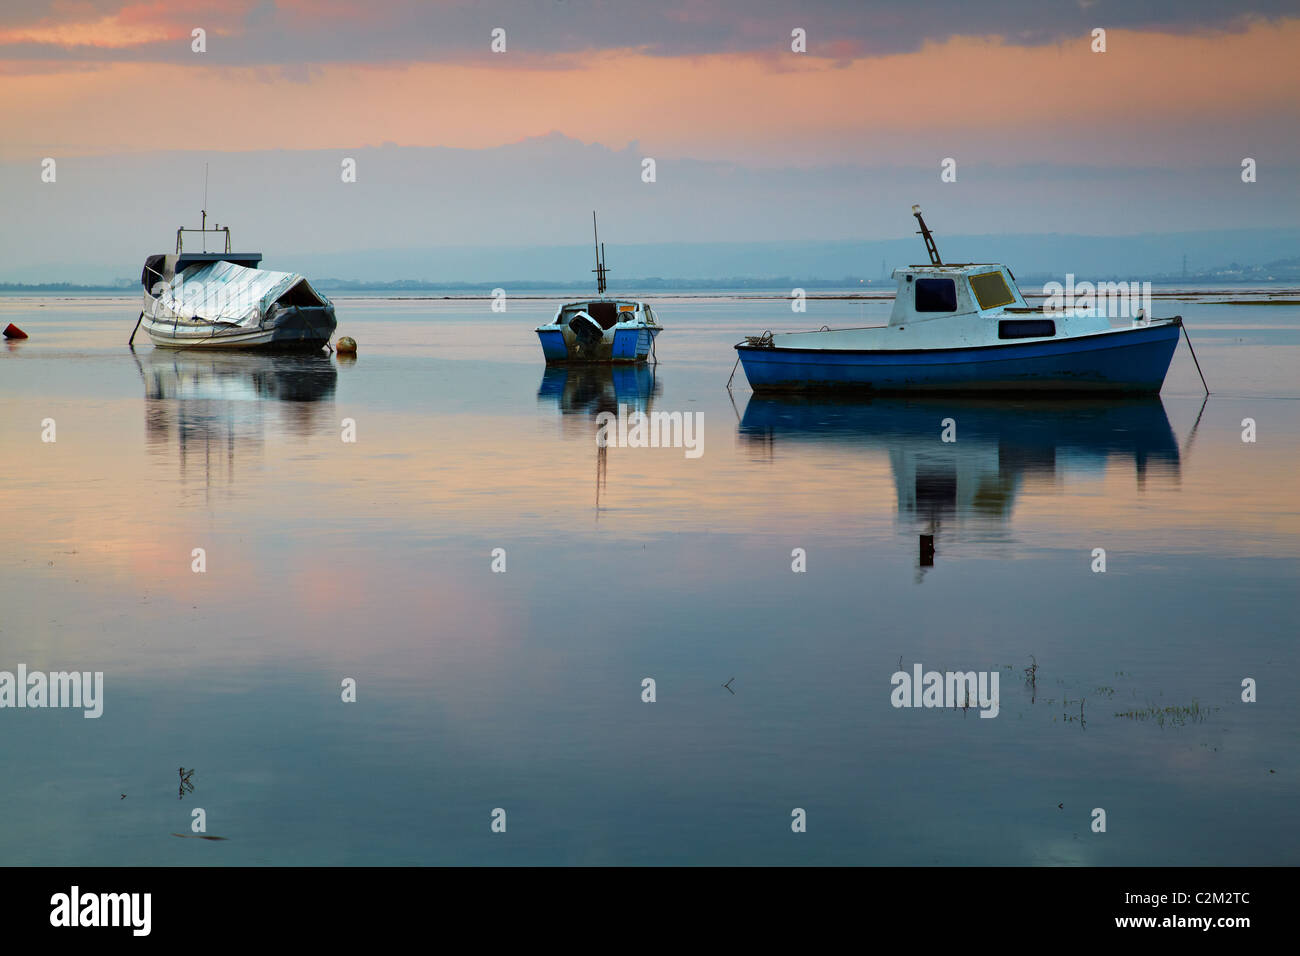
(561, 346)
(1122, 360)
(296, 329)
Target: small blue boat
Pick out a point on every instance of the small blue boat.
(967, 328)
(599, 330)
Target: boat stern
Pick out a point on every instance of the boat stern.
(553, 345)
(584, 341)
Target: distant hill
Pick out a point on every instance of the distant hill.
(523, 210)
(1212, 257)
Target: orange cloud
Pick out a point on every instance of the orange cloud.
(134, 26)
(106, 32)
(1150, 98)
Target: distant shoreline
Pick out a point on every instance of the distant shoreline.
(684, 289)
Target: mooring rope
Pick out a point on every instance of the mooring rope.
(763, 341)
(1182, 325)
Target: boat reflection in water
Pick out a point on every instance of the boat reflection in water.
(582, 392)
(213, 405)
(971, 482)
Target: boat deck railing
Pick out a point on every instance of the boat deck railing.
(182, 230)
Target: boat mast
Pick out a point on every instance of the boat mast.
(600, 269)
(203, 229)
(928, 237)
(204, 223)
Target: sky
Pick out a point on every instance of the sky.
(457, 146)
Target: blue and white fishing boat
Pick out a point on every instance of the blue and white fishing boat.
(967, 328)
(601, 329)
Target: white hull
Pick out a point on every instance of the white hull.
(175, 336)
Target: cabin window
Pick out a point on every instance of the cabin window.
(1026, 328)
(936, 295)
(991, 290)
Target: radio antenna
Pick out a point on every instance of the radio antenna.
(600, 269)
(928, 237)
(204, 211)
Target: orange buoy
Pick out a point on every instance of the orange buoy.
(13, 332)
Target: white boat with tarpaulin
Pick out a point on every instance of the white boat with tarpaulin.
(222, 300)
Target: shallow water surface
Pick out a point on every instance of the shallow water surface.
(475, 690)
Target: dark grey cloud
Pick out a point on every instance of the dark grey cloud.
(26, 13)
(408, 30)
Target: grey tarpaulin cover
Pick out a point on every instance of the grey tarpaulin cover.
(230, 294)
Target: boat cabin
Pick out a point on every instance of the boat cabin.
(607, 312)
(927, 292)
(978, 290)
(164, 267)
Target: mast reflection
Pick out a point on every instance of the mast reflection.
(944, 486)
(216, 408)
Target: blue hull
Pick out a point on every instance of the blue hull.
(553, 346)
(628, 345)
(1125, 360)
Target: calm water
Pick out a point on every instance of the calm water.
(477, 690)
